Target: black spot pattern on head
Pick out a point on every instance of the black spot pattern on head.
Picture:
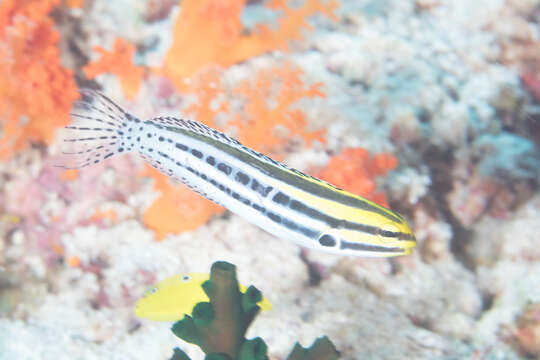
(161, 138)
(210, 160)
(327, 240)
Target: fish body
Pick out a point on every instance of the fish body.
(283, 201)
(176, 296)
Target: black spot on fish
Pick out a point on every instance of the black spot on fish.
(197, 153)
(181, 146)
(210, 160)
(274, 217)
(327, 240)
(161, 138)
(281, 198)
(260, 188)
(242, 178)
(224, 168)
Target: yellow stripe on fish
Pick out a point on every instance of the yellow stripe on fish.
(281, 200)
(176, 296)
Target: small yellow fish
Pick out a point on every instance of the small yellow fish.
(176, 296)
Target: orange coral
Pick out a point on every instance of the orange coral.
(118, 61)
(177, 209)
(354, 170)
(36, 92)
(69, 175)
(110, 216)
(74, 3)
(210, 32)
(267, 108)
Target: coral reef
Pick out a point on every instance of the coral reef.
(118, 61)
(36, 91)
(222, 39)
(430, 107)
(354, 170)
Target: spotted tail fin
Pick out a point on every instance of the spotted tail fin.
(96, 132)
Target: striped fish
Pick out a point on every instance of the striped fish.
(283, 201)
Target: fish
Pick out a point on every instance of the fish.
(174, 297)
(281, 200)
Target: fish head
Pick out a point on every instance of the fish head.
(172, 298)
(384, 238)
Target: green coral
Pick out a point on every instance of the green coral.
(218, 327)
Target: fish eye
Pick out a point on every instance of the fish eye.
(151, 291)
(328, 240)
(186, 278)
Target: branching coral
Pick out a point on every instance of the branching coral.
(220, 36)
(36, 92)
(218, 327)
(355, 170)
(118, 61)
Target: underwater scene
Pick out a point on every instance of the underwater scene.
(269, 179)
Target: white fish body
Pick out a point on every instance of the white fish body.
(283, 201)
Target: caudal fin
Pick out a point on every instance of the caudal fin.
(96, 132)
